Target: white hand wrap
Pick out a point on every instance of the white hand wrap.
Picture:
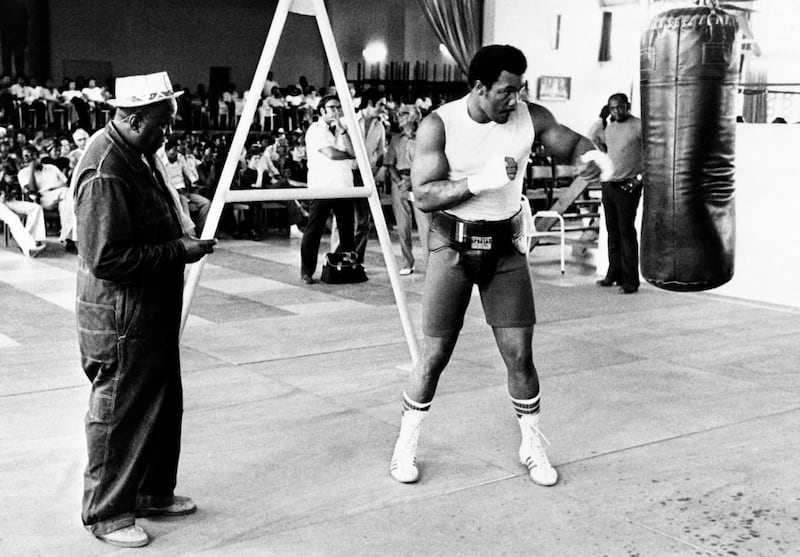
(492, 177)
(602, 160)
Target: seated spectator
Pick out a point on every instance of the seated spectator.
(207, 170)
(96, 96)
(299, 156)
(295, 105)
(17, 89)
(46, 185)
(278, 105)
(229, 98)
(279, 147)
(34, 98)
(80, 137)
(181, 178)
(270, 84)
(52, 99)
(311, 101)
(297, 215)
(72, 98)
(5, 152)
(55, 155)
(19, 143)
(7, 109)
(249, 216)
(30, 236)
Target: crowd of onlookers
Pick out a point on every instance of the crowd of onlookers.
(44, 130)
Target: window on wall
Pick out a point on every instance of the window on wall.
(605, 39)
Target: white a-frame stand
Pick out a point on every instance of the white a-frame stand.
(224, 195)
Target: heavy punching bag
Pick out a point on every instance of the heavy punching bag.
(689, 74)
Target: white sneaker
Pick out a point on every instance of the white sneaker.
(531, 452)
(406, 271)
(130, 536)
(404, 460)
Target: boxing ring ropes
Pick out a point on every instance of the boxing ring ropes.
(224, 194)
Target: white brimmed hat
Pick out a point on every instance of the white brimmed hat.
(141, 90)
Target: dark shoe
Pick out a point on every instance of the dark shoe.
(606, 282)
(628, 289)
(130, 536)
(70, 246)
(177, 505)
(307, 279)
(36, 250)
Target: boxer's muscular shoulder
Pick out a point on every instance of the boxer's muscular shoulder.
(431, 132)
(542, 118)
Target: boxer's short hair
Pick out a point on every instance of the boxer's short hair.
(491, 60)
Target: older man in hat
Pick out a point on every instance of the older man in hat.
(133, 244)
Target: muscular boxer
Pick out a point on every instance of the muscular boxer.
(467, 173)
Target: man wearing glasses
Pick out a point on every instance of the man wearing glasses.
(330, 154)
(398, 164)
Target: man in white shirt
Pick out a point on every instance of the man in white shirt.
(46, 185)
(184, 181)
(330, 153)
(29, 236)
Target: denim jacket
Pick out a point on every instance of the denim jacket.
(131, 260)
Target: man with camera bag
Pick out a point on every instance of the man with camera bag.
(330, 154)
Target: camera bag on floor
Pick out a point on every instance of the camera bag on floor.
(342, 268)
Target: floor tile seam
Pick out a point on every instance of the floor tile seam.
(42, 391)
(680, 437)
(364, 510)
(292, 390)
(312, 355)
(708, 369)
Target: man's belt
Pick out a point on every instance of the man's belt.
(404, 171)
(480, 235)
(627, 185)
(615, 182)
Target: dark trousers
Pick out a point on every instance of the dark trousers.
(363, 220)
(318, 212)
(623, 247)
(133, 431)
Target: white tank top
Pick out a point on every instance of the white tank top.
(468, 147)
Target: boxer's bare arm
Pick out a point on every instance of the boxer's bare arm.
(562, 142)
(432, 190)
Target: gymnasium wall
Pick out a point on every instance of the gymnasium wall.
(186, 38)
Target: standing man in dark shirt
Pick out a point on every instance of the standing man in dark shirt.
(133, 245)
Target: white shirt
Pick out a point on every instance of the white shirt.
(322, 171)
(469, 146)
(48, 178)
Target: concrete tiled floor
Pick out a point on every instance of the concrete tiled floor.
(672, 419)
